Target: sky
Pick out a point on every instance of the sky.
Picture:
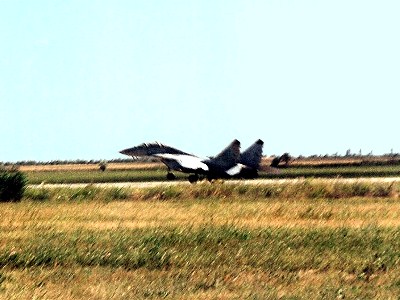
(86, 79)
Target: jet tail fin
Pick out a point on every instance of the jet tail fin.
(251, 157)
(228, 157)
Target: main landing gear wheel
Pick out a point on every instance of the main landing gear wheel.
(193, 178)
(171, 176)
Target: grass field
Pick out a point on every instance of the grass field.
(136, 172)
(305, 240)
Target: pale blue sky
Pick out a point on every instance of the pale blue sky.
(84, 79)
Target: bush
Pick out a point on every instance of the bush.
(103, 165)
(39, 194)
(12, 185)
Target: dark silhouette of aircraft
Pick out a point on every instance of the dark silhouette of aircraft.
(227, 164)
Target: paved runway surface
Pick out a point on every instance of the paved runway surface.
(252, 182)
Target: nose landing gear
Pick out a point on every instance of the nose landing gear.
(171, 176)
(193, 178)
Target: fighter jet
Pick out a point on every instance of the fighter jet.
(224, 165)
(176, 160)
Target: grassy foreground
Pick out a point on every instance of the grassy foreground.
(308, 240)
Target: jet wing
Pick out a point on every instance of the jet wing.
(183, 162)
(149, 149)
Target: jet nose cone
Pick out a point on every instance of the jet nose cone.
(132, 151)
(140, 150)
(125, 151)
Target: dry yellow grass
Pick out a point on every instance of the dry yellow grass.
(352, 213)
(18, 221)
(104, 284)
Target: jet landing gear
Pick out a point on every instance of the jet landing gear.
(171, 176)
(193, 178)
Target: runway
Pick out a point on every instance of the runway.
(139, 185)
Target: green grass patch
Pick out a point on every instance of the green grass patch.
(95, 176)
(305, 189)
(355, 251)
(220, 254)
(340, 171)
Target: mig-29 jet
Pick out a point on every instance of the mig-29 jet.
(229, 163)
(177, 160)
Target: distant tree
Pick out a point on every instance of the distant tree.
(283, 158)
(103, 165)
(286, 158)
(275, 162)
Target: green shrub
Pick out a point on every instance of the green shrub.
(382, 190)
(12, 185)
(86, 193)
(38, 194)
(117, 194)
